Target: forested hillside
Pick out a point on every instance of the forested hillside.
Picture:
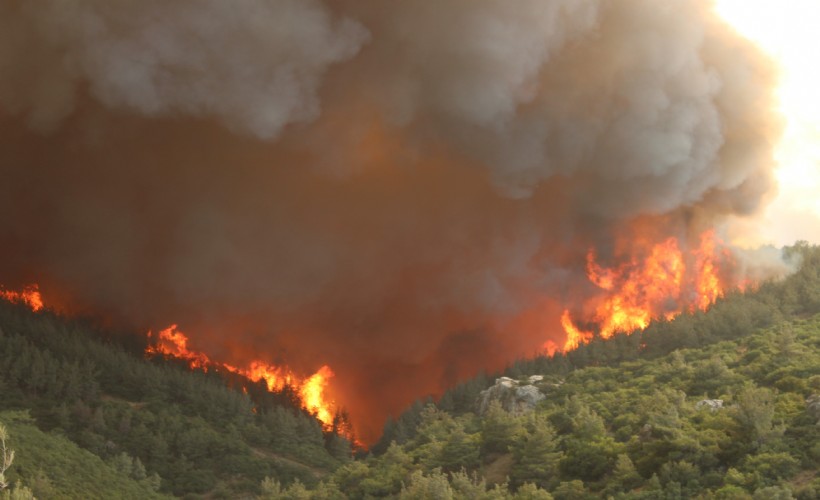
(634, 430)
(182, 431)
(627, 417)
(53, 467)
(621, 418)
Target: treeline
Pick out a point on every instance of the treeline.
(186, 432)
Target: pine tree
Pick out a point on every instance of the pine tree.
(536, 457)
(459, 451)
(625, 476)
(498, 430)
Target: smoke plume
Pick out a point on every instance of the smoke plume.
(405, 190)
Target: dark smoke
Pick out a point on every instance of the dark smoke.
(403, 190)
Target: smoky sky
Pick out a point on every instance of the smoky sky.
(403, 190)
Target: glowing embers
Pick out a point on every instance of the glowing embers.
(311, 390)
(660, 281)
(29, 296)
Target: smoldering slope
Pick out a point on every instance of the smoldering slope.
(405, 191)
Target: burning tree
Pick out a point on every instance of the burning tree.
(650, 281)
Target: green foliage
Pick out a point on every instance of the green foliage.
(620, 419)
(498, 430)
(769, 468)
(460, 450)
(423, 487)
(773, 493)
(17, 492)
(626, 431)
(54, 467)
(754, 410)
(529, 491)
(349, 478)
(154, 421)
(624, 476)
(536, 456)
(571, 490)
(467, 486)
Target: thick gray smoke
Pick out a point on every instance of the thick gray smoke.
(403, 190)
(256, 64)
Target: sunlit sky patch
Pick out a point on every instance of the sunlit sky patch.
(787, 31)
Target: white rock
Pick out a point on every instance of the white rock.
(712, 404)
(514, 397)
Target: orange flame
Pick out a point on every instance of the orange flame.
(172, 342)
(575, 336)
(29, 295)
(312, 393)
(662, 284)
(275, 377)
(639, 290)
(708, 282)
(311, 390)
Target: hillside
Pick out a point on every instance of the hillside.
(629, 418)
(54, 467)
(620, 418)
(189, 430)
(639, 429)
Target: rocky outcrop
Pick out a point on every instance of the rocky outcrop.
(515, 396)
(713, 404)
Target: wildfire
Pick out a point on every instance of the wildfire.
(29, 295)
(311, 390)
(708, 284)
(575, 336)
(172, 342)
(662, 284)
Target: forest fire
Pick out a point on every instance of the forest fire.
(642, 279)
(407, 194)
(663, 284)
(29, 295)
(172, 342)
(311, 390)
(575, 336)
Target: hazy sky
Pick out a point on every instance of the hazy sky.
(787, 31)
